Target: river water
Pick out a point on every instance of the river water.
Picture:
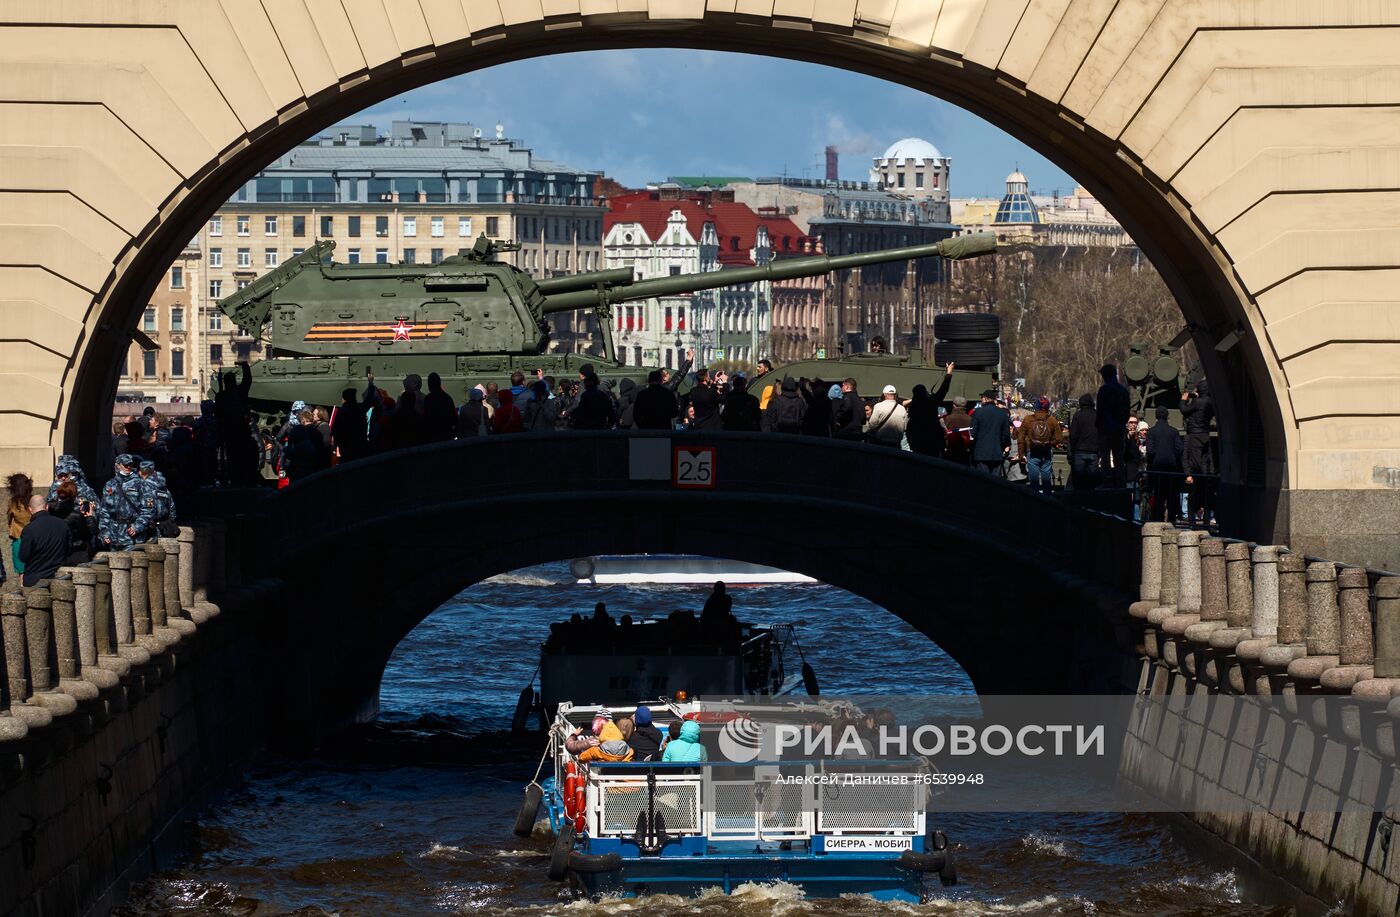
(412, 815)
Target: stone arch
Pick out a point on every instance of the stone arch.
(1228, 138)
(985, 569)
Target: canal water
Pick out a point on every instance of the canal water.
(412, 815)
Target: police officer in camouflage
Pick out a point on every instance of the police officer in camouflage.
(68, 469)
(125, 518)
(159, 500)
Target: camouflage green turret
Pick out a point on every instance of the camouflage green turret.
(469, 318)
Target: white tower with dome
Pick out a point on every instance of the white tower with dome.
(913, 168)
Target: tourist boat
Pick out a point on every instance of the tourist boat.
(618, 662)
(650, 828)
(677, 569)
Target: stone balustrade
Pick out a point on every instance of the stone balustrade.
(102, 626)
(1259, 619)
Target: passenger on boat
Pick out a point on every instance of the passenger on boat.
(626, 726)
(646, 738)
(686, 747)
(611, 746)
(587, 737)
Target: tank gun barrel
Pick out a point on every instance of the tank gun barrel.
(249, 307)
(958, 247)
(618, 276)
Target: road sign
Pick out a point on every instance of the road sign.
(693, 467)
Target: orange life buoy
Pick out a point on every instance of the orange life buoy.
(580, 808)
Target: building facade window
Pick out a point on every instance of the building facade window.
(245, 257)
(269, 226)
(148, 321)
(269, 257)
(918, 181)
(216, 354)
(410, 256)
(464, 227)
(216, 226)
(216, 321)
(381, 226)
(177, 364)
(216, 289)
(899, 179)
(177, 319)
(148, 364)
(299, 226)
(381, 256)
(435, 255)
(327, 226)
(216, 257)
(410, 226)
(352, 256)
(436, 227)
(353, 227)
(177, 277)
(493, 226)
(243, 223)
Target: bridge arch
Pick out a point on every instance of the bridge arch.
(985, 569)
(1230, 139)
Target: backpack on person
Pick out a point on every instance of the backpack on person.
(1040, 433)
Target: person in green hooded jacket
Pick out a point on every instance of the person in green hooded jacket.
(686, 747)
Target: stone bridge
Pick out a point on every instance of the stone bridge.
(1020, 589)
(1252, 150)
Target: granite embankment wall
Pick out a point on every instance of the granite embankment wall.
(127, 693)
(1220, 616)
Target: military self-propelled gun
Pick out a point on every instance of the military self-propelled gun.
(470, 318)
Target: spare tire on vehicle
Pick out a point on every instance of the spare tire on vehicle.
(967, 354)
(966, 326)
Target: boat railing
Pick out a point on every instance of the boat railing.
(759, 801)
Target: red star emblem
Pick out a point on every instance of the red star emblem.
(401, 330)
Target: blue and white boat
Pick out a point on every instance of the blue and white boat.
(830, 826)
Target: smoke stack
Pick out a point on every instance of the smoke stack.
(831, 164)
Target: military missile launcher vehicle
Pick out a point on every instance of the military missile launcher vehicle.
(470, 318)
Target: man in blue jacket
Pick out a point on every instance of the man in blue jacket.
(991, 435)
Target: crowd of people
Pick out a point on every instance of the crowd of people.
(71, 522)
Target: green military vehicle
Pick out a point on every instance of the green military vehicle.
(470, 318)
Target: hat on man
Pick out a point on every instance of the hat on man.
(126, 459)
(989, 395)
(148, 465)
(476, 394)
(890, 390)
(1043, 403)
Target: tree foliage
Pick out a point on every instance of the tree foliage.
(1065, 312)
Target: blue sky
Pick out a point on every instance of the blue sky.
(641, 115)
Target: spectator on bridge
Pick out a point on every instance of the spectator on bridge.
(706, 399)
(594, 409)
(21, 488)
(888, 420)
(542, 410)
(493, 397)
(518, 391)
(1164, 450)
(76, 515)
(848, 420)
(1197, 412)
(626, 404)
(957, 440)
(741, 411)
(507, 418)
(1084, 445)
(119, 436)
(991, 435)
(349, 427)
(44, 546)
(1037, 437)
(234, 425)
(656, 406)
(439, 413)
(786, 412)
(1111, 416)
(765, 366)
(924, 431)
(817, 420)
(472, 417)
